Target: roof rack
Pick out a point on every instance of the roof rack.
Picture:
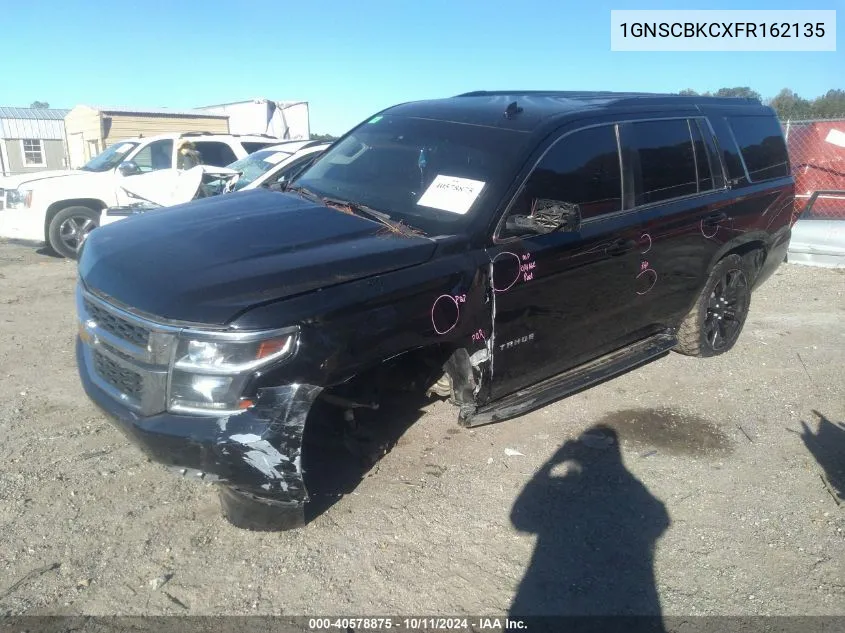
(570, 94)
(197, 133)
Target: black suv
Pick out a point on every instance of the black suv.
(501, 249)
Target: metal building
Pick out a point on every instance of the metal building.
(32, 139)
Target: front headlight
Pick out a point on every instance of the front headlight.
(18, 198)
(211, 371)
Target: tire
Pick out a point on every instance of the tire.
(69, 228)
(249, 512)
(714, 324)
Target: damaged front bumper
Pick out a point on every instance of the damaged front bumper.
(257, 453)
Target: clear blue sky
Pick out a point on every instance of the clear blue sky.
(352, 58)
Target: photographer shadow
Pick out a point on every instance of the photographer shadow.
(827, 445)
(596, 526)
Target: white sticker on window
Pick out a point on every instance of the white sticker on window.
(124, 148)
(836, 137)
(275, 159)
(450, 193)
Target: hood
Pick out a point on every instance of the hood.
(208, 260)
(183, 188)
(13, 182)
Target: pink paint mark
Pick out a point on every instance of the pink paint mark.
(504, 287)
(445, 327)
(715, 230)
(651, 272)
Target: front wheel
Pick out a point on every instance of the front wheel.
(713, 325)
(69, 228)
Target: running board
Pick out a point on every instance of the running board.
(570, 381)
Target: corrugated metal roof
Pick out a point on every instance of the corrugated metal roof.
(32, 128)
(42, 114)
(158, 112)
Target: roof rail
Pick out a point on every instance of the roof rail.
(197, 133)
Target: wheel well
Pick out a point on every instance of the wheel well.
(53, 209)
(409, 370)
(753, 256)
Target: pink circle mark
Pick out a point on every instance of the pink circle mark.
(518, 271)
(457, 317)
(701, 226)
(653, 281)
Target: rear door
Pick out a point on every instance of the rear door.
(673, 169)
(563, 298)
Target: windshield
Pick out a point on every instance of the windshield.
(256, 165)
(110, 158)
(432, 175)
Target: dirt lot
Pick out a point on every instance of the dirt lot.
(717, 505)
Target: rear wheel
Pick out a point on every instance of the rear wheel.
(713, 325)
(69, 229)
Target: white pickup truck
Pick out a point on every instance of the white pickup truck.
(60, 208)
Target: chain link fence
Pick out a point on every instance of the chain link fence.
(817, 154)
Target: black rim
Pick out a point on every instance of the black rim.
(74, 230)
(725, 309)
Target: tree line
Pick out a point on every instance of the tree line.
(787, 103)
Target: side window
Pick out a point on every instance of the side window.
(215, 153)
(762, 146)
(157, 155)
(582, 168)
(662, 159)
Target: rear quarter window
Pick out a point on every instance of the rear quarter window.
(761, 146)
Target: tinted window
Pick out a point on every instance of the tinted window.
(762, 146)
(582, 168)
(215, 153)
(157, 155)
(662, 159)
(251, 147)
(702, 158)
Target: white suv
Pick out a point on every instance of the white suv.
(62, 207)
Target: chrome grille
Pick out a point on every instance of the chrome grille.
(125, 355)
(126, 381)
(121, 328)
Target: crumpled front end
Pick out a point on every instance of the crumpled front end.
(257, 453)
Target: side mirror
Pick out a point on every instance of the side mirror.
(547, 216)
(128, 168)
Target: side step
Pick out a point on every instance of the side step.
(570, 381)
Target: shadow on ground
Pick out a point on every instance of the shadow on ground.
(827, 445)
(338, 453)
(596, 527)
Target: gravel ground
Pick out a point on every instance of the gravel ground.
(717, 499)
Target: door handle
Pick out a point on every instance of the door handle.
(715, 218)
(620, 246)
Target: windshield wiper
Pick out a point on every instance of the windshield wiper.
(373, 214)
(302, 191)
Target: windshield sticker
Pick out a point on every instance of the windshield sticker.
(450, 193)
(124, 148)
(375, 119)
(275, 159)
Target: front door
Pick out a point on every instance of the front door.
(563, 298)
(155, 171)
